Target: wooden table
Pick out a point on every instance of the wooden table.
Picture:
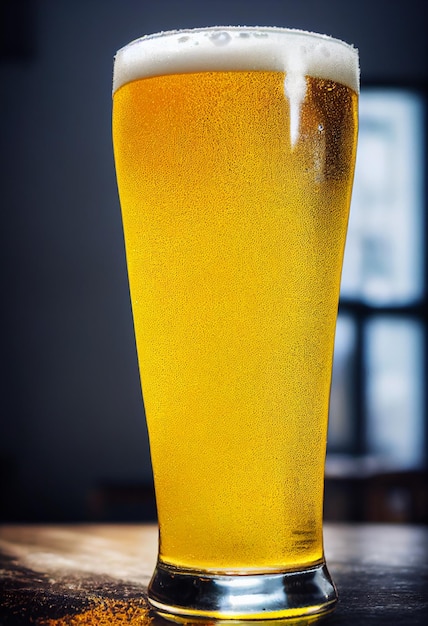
(98, 574)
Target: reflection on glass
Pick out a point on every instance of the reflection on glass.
(341, 421)
(383, 258)
(394, 365)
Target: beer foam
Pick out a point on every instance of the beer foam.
(297, 53)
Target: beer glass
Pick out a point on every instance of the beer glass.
(234, 151)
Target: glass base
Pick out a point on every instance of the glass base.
(176, 594)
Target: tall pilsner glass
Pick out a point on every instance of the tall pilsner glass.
(234, 152)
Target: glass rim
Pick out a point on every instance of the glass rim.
(254, 29)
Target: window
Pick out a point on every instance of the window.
(378, 400)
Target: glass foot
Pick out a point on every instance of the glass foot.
(179, 593)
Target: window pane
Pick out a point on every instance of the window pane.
(394, 366)
(341, 430)
(383, 258)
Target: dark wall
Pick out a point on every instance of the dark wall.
(71, 409)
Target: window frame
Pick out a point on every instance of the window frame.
(361, 312)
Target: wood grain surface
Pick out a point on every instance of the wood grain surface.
(98, 574)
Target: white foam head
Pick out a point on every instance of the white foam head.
(236, 48)
(295, 52)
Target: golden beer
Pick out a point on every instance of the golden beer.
(235, 201)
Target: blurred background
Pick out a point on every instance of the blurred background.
(73, 441)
